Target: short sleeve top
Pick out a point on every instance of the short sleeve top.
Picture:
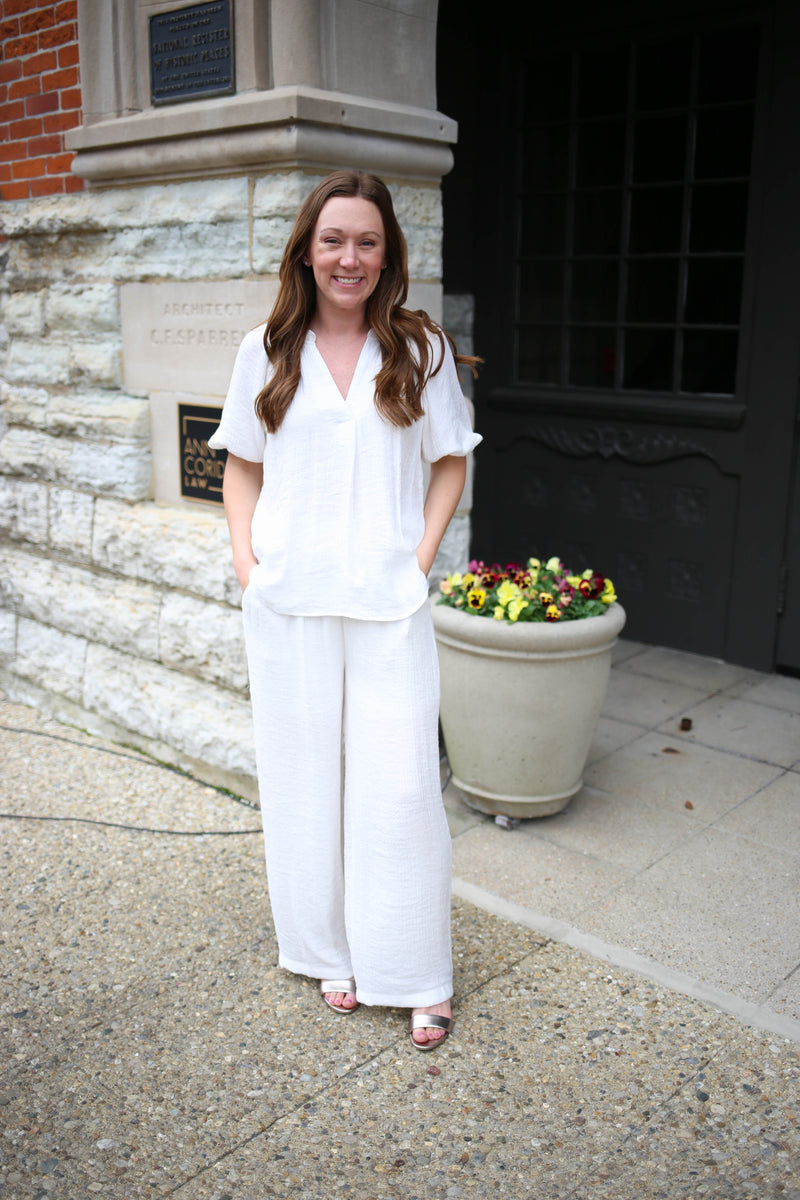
(340, 512)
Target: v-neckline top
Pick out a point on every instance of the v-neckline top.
(343, 396)
(340, 512)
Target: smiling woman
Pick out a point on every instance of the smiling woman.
(334, 403)
(346, 255)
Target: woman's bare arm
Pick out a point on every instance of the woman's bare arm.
(444, 492)
(241, 487)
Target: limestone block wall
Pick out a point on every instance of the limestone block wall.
(116, 613)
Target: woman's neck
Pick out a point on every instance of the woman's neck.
(334, 323)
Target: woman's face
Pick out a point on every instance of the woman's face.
(347, 253)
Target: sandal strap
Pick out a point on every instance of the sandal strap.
(348, 986)
(430, 1021)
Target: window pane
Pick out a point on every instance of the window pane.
(539, 355)
(598, 222)
(545, 150)
(718, 217)
(546, 88)
(663, 74)
(652, 289)
(709, 361)
(648, 359)
(656, 220)
(660, 149)
(594, 291)
(724, 138)
(544, 223)
(728, 65)
(713, 291)
(591, 357)
(601, 153)
(603, 82)
(540, 290)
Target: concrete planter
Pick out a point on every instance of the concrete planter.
(520, 704)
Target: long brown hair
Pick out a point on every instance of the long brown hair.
(402, 334)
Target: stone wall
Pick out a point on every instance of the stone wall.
(117, 613)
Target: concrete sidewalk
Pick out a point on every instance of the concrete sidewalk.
(627, 985)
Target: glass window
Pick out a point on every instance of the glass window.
(545, 156)
(709, 361)
(541, 289)
(656, 220)
(593, 294)
(722, 148)
(597, 222)
(659, 154)
(544, 223)
(591, 357)
(603, 82)
(539, 354)
(718, 217)
(652, 292)
(632, 217)
(713, 291)
(663, 75)
(601, 153)
(649, 355)
(728, 65)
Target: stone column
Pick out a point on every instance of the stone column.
(128, 299)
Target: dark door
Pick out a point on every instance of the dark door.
(637, 291)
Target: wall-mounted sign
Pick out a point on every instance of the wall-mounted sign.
(201, 468)
(191, 53)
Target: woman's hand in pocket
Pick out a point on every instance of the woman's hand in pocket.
(243, 567)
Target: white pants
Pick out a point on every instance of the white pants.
(357, 845)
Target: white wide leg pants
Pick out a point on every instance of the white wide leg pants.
(357, 845)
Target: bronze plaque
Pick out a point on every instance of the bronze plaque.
(202, 468)
(191, 53)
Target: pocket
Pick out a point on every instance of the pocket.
(248, 587)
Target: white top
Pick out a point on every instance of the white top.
(340, 515)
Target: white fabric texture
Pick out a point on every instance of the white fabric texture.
(340, 516)
(358, 855)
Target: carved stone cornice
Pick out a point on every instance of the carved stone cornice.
(607, 441)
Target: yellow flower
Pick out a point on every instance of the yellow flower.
(507, 592)
(476, 598)
(534, 564)
(552, 613)
(468, 580)
(499, 612)
(545, 598)
(588, 573)
(553, 564)
(573, 580)
(515, 607)
(609, 595)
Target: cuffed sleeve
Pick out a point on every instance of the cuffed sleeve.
(240, 431)
(446, 426)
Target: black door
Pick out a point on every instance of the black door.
(637, 301)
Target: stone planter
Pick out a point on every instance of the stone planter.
(520, 704)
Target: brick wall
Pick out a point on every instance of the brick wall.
(40, 97)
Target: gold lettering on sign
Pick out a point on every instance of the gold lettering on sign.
(202, 468)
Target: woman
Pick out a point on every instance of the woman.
(331, 408)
